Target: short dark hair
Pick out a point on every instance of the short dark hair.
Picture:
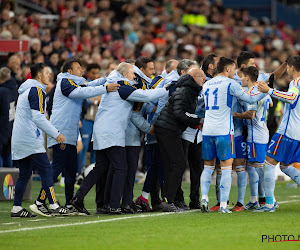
(69, 64)
(169, 63)
(209, 59)
(244, 57)
(223, 62)
(130, 61)
(36, 68)
(252, 72)
(294, 61)
(92, 66)
(141, 62)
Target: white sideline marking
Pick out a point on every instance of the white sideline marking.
(89, 222)
(37, 220)
(10, 223)
(283, 202)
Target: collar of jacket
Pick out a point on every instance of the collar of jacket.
(208, 75)
(187, 80)
(29, 83)
(115, 76)
(78, 80)
(138, 72)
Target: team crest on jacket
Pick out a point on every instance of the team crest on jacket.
(62, 146)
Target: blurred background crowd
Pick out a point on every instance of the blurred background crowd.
(109, 32)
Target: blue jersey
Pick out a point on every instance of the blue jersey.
(257, 128)
(218, 93)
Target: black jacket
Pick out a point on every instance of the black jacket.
(179, 112)
(8, 96)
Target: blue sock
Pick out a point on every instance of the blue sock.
(205, 181)
(292, 172)
(253, 180)
(241, 182)
(260, 170)
(218, 181)
(269, 182)
(225, 184)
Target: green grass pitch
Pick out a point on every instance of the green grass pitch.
(190, 230)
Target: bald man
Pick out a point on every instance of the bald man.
(176, 116)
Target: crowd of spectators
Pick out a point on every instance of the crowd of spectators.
(112, 31)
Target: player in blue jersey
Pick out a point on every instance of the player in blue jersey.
(218, 129)
(255, 116)
(285, 144)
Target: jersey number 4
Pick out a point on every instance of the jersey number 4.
(215, 93)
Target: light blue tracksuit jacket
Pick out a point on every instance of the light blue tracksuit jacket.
(67, 104)
(115, 110)
(137, 122)
(30, 121)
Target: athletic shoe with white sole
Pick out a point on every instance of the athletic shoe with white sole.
(265, 209)
(60, 211)
(79, 205)
(204, 206)
(22, 214)
(223, 210)
(251, 205)
(40, 209)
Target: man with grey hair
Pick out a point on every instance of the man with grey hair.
(175, 118)
(175, 70)
(182, 68)
(109, 135)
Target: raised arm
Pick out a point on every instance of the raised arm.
(147, 95)
(97, 82)
(236, 90)
(70, 89)
(288, 97)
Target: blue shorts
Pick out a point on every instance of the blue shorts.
(218, 146)
(284, 149)
(240, 147)
(256, 152)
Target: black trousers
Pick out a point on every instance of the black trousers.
(175, 162)
(196, 165)
(103, 192)
(64, 161)
(155, 175)
(114, 157)
(40, 163)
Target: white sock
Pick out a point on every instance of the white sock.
(253, 199)
(38, 203)
(223, 204)
(205, 197)
(54, 206)
(269, 205)
(16, 209)
(145, 195)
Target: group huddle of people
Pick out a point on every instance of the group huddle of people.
(205, 118)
